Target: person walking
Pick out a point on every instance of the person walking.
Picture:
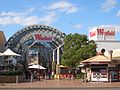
(52, 74)
(49, 74)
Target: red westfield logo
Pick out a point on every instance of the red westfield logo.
(107, 33)
(92, 33)
(40, 37)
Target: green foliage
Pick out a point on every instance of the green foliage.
(77, 48)
(80, 76)
(10, 73)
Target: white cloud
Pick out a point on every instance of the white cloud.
(63, 6)
(29, 20)
(108, 5)
(7, 18)
(117, 28)
(49, 18)
(118, 13)
(11, 14)
(16, 18)
(114, 27)
(78, 26)
(27, 17)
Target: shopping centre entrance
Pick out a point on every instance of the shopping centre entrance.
(38, 44)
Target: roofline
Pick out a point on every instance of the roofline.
(108, 41)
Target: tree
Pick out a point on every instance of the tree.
(77, 48)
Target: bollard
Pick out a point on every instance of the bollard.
(58, 79)
(31, 79)
(45, 79)
(110, 78)
(72, 78)
(97, 80)
(84, 79)
(16, 80)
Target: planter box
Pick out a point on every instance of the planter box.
(10, 79)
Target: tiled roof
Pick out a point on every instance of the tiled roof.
(98, 58)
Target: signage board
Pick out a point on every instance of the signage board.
(102, 33)
(41, 37)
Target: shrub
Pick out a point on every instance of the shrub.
(10, 73)
(80, 76)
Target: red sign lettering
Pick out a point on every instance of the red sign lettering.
(40, 37)
(107, 33)
(92, 33)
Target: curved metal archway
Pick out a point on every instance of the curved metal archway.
(21, 37)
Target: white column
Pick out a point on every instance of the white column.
(58, 62)
(53, 56)
(58, 56)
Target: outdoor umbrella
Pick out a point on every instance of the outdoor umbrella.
(62, 66)
(0, 54)
(37, 66)
(9, 52)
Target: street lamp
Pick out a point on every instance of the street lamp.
(53, 63)
(58, 60)
(54, 54)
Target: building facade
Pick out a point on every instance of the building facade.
(2, 45)
(102, 67)
(38, 44)
(104, 38)
(2, 41)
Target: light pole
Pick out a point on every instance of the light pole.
(53, 63)
(58, 60)
(54, 54)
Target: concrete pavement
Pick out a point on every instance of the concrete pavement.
(60, 84)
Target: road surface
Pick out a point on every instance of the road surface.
(66, 89)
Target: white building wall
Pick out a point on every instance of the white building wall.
(107, 45)
(104, 38)
(2, 46)
(102, 33)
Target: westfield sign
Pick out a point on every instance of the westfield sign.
(107, 33)
(102, 32)
(41, 37)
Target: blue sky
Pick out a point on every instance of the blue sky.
(69, 16)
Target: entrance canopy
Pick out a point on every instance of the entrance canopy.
(38, 44)
(9, 52)
(97, 59)
(35, 33)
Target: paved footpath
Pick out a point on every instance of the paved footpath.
(60, 84)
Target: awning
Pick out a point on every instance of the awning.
(97, 59)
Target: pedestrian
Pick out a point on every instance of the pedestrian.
(52, 74)
(49, 74)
